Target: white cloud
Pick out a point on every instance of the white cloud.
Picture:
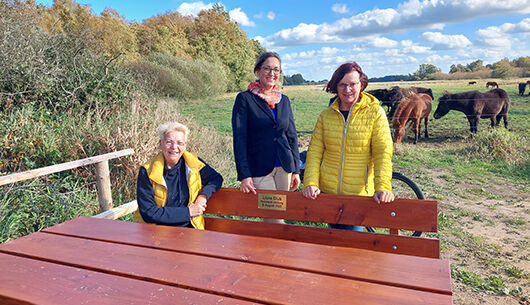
(408, 47)
(328, 51)
(325, 51)
(414, 14)
(193, 8)
(501, 36)
(240, 17)
(381, 43)
(270, 15)
(444, 42)
(340, 8)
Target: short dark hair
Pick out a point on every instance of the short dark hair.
(263, 57)
(343, 70)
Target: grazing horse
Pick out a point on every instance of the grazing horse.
(389, 98)
(493, 104)
(413, 109)
(472, 83)
(410, 91)
(522, 88)
(492, 84)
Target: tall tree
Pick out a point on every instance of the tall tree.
(216, 38)
(425, 71)
(166, 34)
(502, 69)
(476, 65)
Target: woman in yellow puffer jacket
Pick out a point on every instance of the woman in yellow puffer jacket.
(350, 152)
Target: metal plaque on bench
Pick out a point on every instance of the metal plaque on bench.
(272, 201)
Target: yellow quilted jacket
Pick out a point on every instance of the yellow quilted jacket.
(351, 159)
(155, 170)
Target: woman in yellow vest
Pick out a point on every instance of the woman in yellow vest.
(174, 186)
(350, 152)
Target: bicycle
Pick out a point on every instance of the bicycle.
(402, 187)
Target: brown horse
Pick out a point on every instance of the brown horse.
(472, 83)
(413, 109)
(391, 97)
(411, 90)
(493, 104)
(492, 84)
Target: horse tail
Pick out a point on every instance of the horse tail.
(505, 98)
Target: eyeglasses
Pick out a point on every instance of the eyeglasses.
(169, 143)
(343, 87)
(269, 70)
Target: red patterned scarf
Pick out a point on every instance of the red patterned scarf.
(272, 98)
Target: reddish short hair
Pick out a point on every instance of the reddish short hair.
(343, 70)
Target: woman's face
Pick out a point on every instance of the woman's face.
(269, 73)
(173, 146)
(349, 88)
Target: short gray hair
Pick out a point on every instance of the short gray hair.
(172, 126)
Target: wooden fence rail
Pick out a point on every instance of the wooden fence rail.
(102, 174)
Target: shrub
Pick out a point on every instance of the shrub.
(479, 74)
(57, 70)
(166, 75)
(29, 207)
(501, 145)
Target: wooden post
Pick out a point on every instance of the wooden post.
(103, 185)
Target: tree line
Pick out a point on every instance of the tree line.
(504, 68)
(519, 67)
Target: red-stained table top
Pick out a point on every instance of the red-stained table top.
(99, 261)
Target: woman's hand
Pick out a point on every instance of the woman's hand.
(383, 196)
(198, 207)
(247, 186)
(295, 181)
(311, 192)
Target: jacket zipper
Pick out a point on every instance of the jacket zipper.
(343, 141)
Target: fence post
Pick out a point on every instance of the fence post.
(103, 185)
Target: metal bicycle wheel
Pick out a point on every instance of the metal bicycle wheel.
(403, 187)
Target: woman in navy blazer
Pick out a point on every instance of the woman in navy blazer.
(265, 138)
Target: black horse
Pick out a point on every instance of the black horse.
(522, 88)
(389, 98)
(493, 104)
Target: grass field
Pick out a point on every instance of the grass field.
(482, 184)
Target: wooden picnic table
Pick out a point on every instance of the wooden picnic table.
(100, 261)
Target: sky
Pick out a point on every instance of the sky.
(385, 37)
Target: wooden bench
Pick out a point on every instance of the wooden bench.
(402, 214)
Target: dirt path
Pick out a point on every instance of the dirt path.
(484, 232)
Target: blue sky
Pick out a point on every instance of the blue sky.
(385, 37)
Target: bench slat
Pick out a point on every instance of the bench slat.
(207, 274)
(30, 281)
(402, 214)
(432, 274)
(424, 247)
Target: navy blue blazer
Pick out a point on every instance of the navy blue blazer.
(259, 139)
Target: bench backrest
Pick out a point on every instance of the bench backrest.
(402, 214)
